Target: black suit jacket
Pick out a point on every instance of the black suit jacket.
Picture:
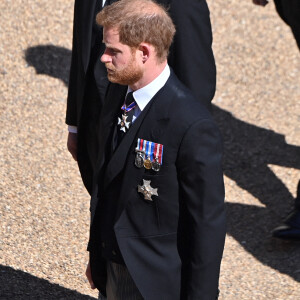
(190, 56)
(172, 246)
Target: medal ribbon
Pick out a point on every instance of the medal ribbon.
(144, 146)
(158, 152)
(127, 108)
(151, 149)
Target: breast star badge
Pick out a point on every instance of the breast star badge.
(123, 123)
(147, 190)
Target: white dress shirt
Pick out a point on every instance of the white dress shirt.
(146, 93)
(143, 95)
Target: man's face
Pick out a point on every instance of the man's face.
(122, 62)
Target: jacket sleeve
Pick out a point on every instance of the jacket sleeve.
(202, 215)
(191, 56)
(71, 114)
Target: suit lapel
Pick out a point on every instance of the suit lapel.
(116, 164)
(114, 99)
(149, 125)
(153, 129)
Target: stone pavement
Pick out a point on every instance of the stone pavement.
(44, 216)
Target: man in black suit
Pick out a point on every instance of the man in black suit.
(289, 11)
(190, 57)
(157, 207)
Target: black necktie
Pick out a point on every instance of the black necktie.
(124, 120)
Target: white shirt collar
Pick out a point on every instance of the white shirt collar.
(145, 94)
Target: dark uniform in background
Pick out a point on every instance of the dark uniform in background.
(289, 11)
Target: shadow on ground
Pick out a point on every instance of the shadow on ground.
(50, 60)
(18, 285)
(248, 152)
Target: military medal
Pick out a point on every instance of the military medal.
(139, 159)
(123, 120)
(140, 153)
(123, 123)
(147, 190)
(158, 157)
(147, 163)
(149, 155)
(156, 165)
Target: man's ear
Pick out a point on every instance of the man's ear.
(146, 51)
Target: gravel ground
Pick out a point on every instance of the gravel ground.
(44, 216)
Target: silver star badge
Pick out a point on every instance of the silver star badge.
(147, 190)
(123, 123)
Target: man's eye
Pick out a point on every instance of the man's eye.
(112, 51)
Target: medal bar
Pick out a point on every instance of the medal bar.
(149, 155)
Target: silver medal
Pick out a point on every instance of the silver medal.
(156, 165)
(123, 123)
(147, 190)
(139, 159)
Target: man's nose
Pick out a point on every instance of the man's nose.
(105, 57)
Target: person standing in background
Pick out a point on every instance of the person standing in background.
(87, 86)
(289, 11)
(191, 58)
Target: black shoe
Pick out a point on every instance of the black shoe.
(291, 227)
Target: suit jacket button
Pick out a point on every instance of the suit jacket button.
(114, 252)
(103, 245)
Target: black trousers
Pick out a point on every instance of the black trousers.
(120, 285)
(289, 11)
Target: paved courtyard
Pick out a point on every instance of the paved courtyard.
(44, 209)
